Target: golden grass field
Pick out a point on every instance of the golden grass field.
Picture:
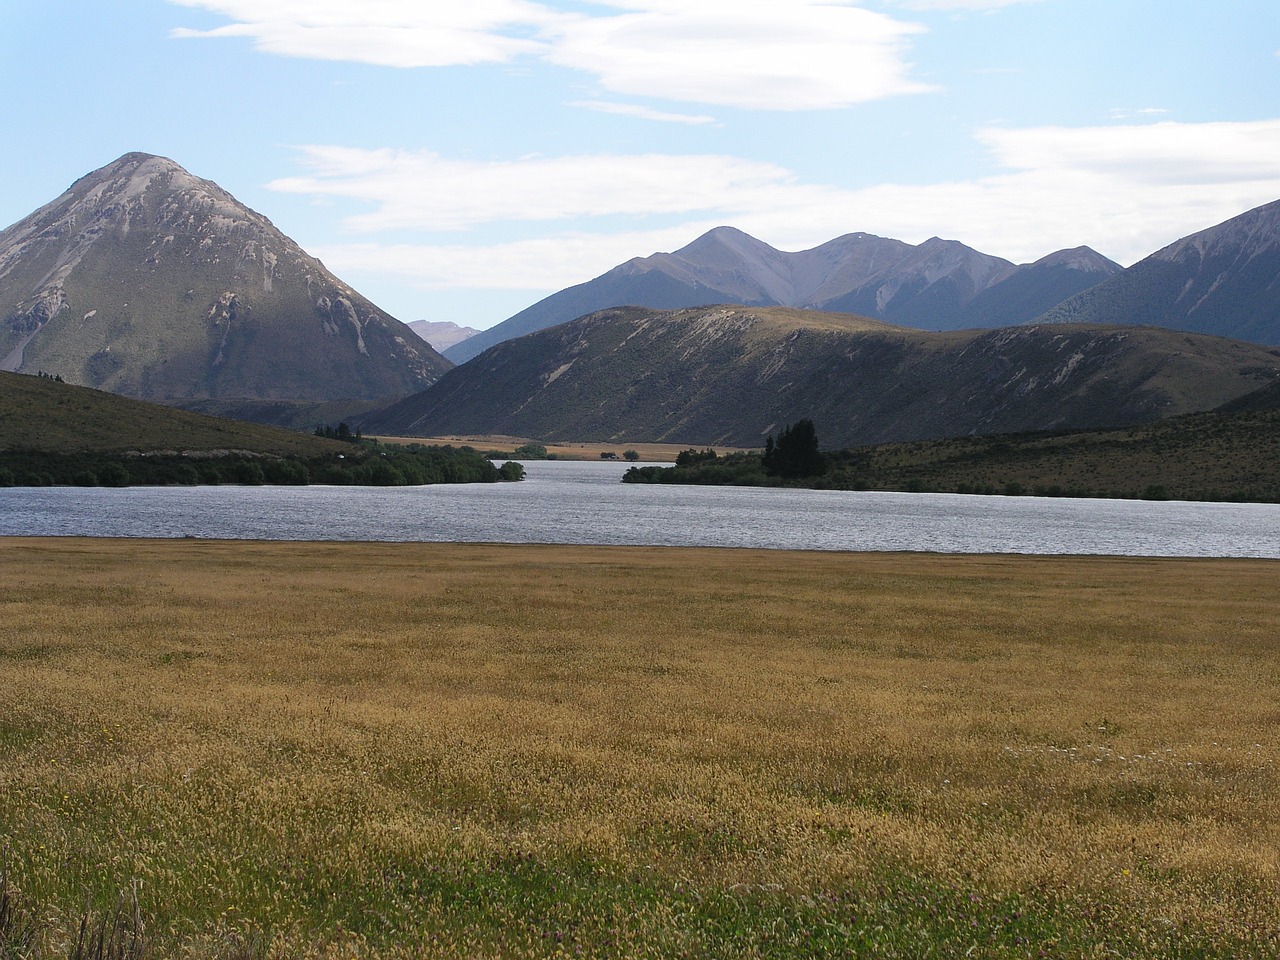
(402, 750)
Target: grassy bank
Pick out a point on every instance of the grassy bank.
(348, 750)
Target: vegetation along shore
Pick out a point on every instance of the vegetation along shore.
(222, 749)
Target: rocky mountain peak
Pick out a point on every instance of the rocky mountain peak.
(124, 283)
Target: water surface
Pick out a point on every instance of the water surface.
(584, 503)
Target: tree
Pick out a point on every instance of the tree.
(631, 455)
(530, 451)
(692, 457)
(511, 470)
(796, 452)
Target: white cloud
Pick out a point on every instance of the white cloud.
(1190, 154)
(417, 190)
(804, 54)
(391, 33)
(643, 113)
(548, 263)
(1124, 190)
(981, 5)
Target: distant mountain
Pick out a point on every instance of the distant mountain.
(732, 374)
(147, 281)
(938, 285)
(1223, 281)
(441, 334)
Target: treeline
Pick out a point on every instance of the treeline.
(383, 465)
(793, 459)
(1210, 457)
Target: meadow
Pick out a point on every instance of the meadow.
(243, 750)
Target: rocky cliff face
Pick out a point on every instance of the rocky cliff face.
(145, 280)
(937, 285)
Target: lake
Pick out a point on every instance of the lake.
(585, 503)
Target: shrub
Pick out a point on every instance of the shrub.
(511, 470)
(114, 475)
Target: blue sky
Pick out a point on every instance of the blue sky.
(459, 161)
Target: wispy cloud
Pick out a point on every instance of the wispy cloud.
(390, 33)
(424, 191)
(977, 5)
(804, 54)
(1125, 190)
(1125, 113)
(644, 113)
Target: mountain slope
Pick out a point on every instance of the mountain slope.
(1223, 281)
(37, 413)
(938, 285)
(730, 375)
(147, 281)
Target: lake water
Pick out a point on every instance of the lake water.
(584, 502)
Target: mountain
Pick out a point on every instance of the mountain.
(147, 281)
(938, 285)
(732, 374)
(1223, 281)
(441, 334)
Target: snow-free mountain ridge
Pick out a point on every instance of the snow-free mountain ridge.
(731, 374)
(937, 285)
(145, 280)
(1224, 281)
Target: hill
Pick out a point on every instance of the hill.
(1232, 453)
(730, 375)
(37, 413)
(54, 433)
(937, 285)
(1223, 281)
(146, 281)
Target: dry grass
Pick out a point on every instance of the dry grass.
(427, 749)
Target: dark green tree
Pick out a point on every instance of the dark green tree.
(795, 454)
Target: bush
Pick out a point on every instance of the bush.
(6, 477)
(289, 472)
(114, 475)
(511, 470)
(85, 478)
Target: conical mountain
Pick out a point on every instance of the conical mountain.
(1223, 281)
(936, 285)
(147, 281)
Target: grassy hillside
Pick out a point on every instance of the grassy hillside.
(355, 751)
(1232, 454)
(730, 375)
(37, 413)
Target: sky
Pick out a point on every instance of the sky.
(461, 159)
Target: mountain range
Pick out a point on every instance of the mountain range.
(144, 280)
(1224, 280)
(731, 375)
(937, 285)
